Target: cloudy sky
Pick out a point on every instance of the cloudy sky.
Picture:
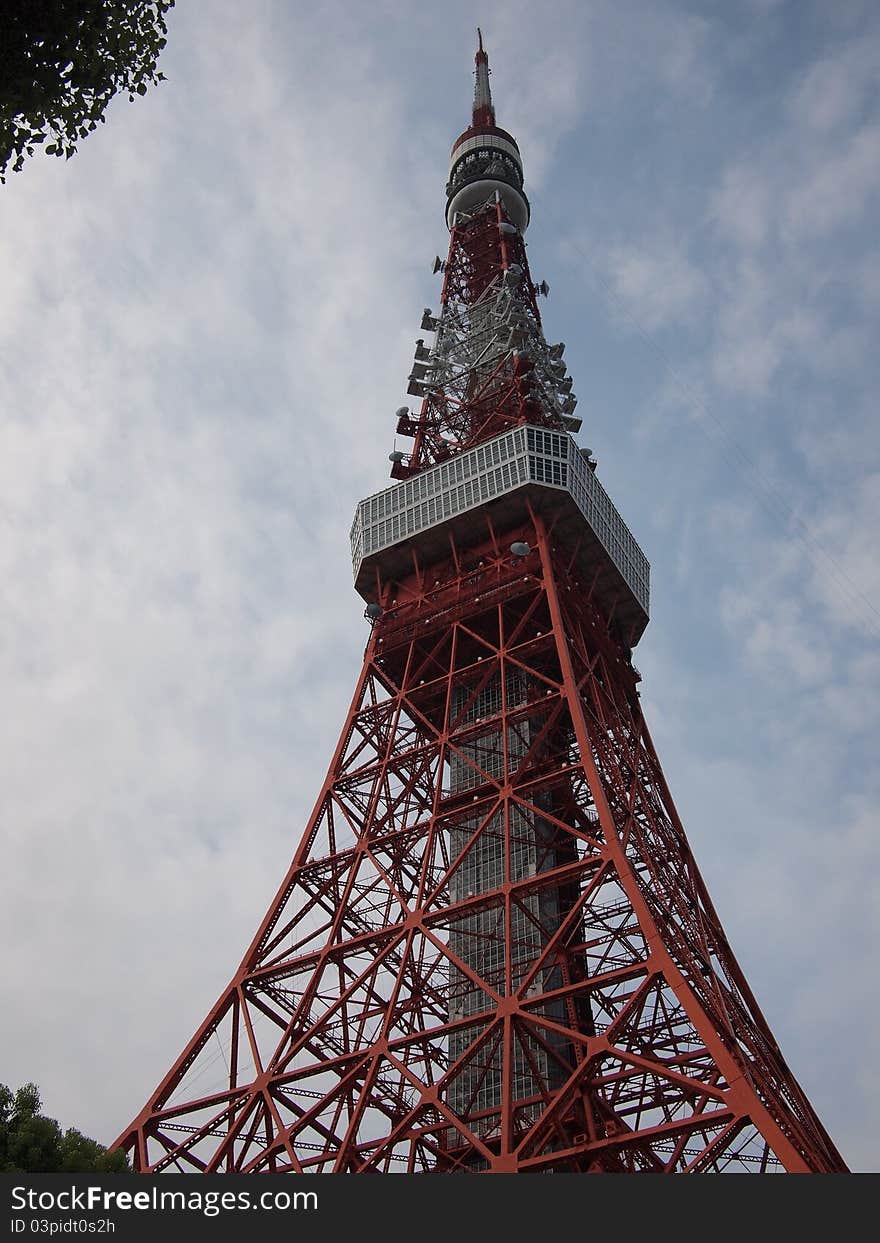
(207, 320)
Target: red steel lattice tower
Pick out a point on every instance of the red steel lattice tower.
(493, 950)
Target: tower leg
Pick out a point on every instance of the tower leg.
(493, 950)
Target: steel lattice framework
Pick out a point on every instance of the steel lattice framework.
(493, 950)
(490, 367)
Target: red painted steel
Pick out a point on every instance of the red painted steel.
(480, 252)
(627, 1040)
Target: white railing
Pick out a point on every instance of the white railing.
(523, 455)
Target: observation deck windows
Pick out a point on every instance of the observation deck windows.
(523, 455)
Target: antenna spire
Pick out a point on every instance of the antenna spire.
(484, 113)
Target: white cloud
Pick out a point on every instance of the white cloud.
(741, 206)
(207, 319)
(846, 578)
(683, 58)
(836, 188)
(832, 91)
(867, 280)
(655, 282)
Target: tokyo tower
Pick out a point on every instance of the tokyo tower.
(493, 951)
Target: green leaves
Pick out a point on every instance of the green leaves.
(27, 1101)
(61, 64)
(33, 1144)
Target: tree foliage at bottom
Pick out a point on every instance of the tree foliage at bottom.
(31, 1143)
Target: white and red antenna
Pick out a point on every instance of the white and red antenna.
(484, 113)
(485, 158)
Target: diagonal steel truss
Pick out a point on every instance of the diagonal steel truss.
(489, 367)
(493, 950)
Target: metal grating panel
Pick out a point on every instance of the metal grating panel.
(520, 456)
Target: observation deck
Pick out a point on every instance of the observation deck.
(525, 465)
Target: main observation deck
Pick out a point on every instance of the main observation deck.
(525, 465)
